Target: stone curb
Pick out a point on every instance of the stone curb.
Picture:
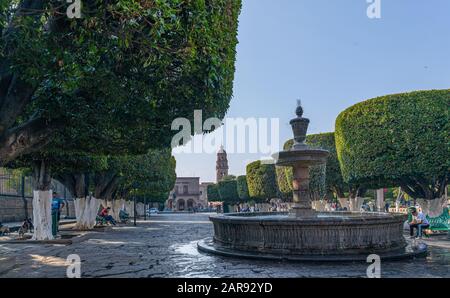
(208, 246)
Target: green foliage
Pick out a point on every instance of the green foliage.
(213, 193)
(121, 74)
(242, 188)
(261, 181)
(283, 183)
(397, 140)
(228, 178)
(150, 176)
(228, 191)
(334, 181)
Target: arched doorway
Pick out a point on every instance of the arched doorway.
(170, 204)
(181, 204)
(190, 204)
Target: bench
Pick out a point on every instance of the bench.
(440, 223)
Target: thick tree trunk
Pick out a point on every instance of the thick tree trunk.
(344, 203)
(129, 208)
(355, 204)
(86, 210)
(42, 215)
(42, 200)
(433, 208)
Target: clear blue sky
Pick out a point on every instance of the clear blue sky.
(331, 55)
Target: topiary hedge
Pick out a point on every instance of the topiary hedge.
(242, 188)
(228, 191)
(261, 181)
(334, 181)
(213, 193)
(397, 140)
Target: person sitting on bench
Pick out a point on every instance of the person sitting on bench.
(123, 215)
(419, 221)
(106, 216)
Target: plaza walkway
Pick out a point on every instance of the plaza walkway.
(165, 246)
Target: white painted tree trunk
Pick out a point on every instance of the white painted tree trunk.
(42, 215)
(140, 209)
(86, 210)
(433, 208)
(129, 208)
(116, 206)
(319, 205)
(355, 204)
(380, 199)
(344, 203)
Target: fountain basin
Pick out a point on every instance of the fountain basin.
(329, 235)
(307, 157)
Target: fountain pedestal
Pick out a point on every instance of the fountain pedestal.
(302, 203)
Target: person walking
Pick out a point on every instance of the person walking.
(57, 205)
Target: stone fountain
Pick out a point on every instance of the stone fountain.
(303, 234)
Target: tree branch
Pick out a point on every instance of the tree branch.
(26, 138)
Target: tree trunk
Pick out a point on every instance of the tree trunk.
(433, 208)
(355, 204)
(42, 200)
(344, 203)
(86, 210)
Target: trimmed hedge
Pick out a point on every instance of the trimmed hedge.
(228, 191)
(261, 181)
(334, 181)
(242, 188)
(213, 193)
(397, 140)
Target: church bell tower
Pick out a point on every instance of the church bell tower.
(221, 164)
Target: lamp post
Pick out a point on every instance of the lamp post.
(134, 208)
(145, 208)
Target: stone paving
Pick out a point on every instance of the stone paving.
(165, 246)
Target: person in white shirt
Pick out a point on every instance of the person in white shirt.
(418, 222)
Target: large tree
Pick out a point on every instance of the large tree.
(112, 81)
(153, 61)
(397, 140)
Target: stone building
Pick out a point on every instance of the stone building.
(185, 195)
(221, 164)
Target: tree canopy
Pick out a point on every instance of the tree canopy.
(397, 140)
(228, 191)
(261, 181)
(119, 75)
(213, 193)
(242, 188)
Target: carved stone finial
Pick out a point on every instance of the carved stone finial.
(299, 110)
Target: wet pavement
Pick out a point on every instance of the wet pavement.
(165, 246)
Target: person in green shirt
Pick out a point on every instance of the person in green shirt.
(57, 205)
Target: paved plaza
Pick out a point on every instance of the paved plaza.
(165, 246)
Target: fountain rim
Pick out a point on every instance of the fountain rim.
(337, 217)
